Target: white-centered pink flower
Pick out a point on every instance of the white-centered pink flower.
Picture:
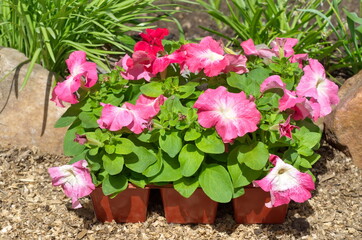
(315, 84)
(285, 183)
(78, 68)
(208, 55)
(232, 114)
(75, 179)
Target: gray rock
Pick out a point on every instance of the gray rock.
(343, 127)
(27, 117)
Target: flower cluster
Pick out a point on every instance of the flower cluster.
(192, 114)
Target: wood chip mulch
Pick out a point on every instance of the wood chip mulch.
(32, 209)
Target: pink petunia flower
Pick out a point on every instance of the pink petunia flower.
(134, 117)
(315, 84)
(285, 183)
(75, 180)
(284, 46)
(208, 55)
(78, 68)
(258, 50)
(114, 118)
(285, 129)
(236, 63)
(137, 67)
(232, 114)
(271, 82)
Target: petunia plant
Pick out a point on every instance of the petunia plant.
(196, 115)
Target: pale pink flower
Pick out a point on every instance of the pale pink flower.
(289, 100)
(150, 106)
(75, 179)
(258, 50)
(114, 118)
(134, 117)
(78, 68)
(284, 46)
(232, 114)
(299, 58)
(285, 183)
(315, 84)
(272, 82)
(236, 63)
(285, 129)
(208, 55)
(137, 67)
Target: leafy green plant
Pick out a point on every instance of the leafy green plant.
(47, 31)
(263, 20)
(194, 116)
(349, 37)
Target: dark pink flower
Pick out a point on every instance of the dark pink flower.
(285, 129)
(285, 183)
(81, 139)
(232, 114)
(75, 179)
(152, 41)
(315, 84)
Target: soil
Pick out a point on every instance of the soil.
(32, 209)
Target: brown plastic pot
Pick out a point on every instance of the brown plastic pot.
(250, 208)
(198, 208)
(128, 206)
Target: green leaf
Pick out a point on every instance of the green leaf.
(124, 146)
(113, 163)
(88, 120)
(170, 171)
(241, 175)
(238, 192)
(70, 147)
(140, 159)
(114, 184)
(237, 81)
(152, 89)
(155, 168)
(216, 183)
(210, 143)
(190, 159)
(171, 143)
(192, 134)
(186, 186)
(80, 156)
(254, 155)
(68, 117)
(109, 149)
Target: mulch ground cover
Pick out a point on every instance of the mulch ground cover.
(32, 209)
